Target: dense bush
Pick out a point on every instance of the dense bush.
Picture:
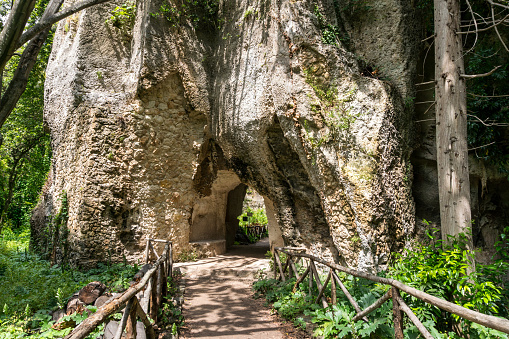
(433, 267)
(31, 288)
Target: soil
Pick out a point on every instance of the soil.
(218, 299)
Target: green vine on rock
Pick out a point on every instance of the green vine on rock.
(330, 33)
(332, 107)
(56, 233)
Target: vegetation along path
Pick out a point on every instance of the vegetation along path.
(218, 297)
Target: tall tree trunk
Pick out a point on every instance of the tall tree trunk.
(14, 26)
(451, 122)
(13, 174)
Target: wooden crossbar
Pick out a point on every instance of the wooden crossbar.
(399, 305)
(152, 283)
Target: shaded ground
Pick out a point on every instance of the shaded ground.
(218, 297)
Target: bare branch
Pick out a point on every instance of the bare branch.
(433, 104)
(426, 56)
(466, 76)
(425, 83)
(497, 4)
(485, 28)
(488, 96)
(496, 29)
(426, 39)
(489, 124)
(49, 21)
(475, 24)
(491, 143)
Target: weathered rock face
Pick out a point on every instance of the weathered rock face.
(153, 126)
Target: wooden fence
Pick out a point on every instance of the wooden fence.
(399, 304)
(256, 230)
(142, 300)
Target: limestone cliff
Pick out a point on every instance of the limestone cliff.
(156, 125)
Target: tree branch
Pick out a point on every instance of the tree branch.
(475, 24)
(425, 83)
(13, 28)
(49, 21)
(466, 76)
(496, 29)
(486, 28)
(488, 96)
(497, 4)
(19, 80)
(491, 143)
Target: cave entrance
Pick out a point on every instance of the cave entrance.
(215, 218)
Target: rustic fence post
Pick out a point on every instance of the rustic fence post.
(153, 299)
(397, 315)
(333, 289)
(131, 322)
(282, 274)
(274, 264)
(123, 322)
(310, 281)
(171, 260)
(159, 289)
(147, 251)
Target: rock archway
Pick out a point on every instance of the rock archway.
(215, 221)
(135, 114)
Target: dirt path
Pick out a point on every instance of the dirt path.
(218, 299)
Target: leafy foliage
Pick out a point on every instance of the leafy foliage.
(442, 270)
(202, 14)
(25, 154)
(438, 270)
(31, 283)
(331, 34)
(487, 106)
(123, 16)
(258, 217)
(170, 315)
(250, 218)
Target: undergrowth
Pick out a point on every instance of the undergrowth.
(433, 267)
(31, 288)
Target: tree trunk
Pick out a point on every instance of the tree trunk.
(19, 81)
(14, 26)
(12, 181)
(451, 122)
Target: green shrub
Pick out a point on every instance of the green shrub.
(31, 288)
(442, 270)
(123, 17)
(259, 217)
(202, 14)
(437, 269)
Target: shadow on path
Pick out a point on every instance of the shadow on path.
(218, 299)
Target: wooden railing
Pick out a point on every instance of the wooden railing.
(142, 300)
(256, 230)
(399, 304)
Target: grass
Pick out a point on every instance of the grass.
(31, 288)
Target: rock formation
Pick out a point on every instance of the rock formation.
(157, 126)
